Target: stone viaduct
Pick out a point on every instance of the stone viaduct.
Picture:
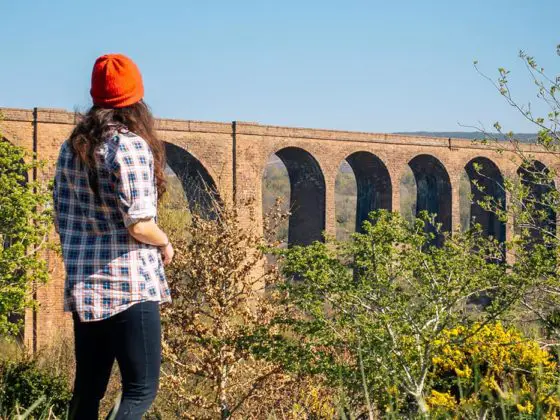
(232, 157)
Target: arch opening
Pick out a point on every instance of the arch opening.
(536, 177)
(433, 193)
(199, 188)
(276, 197)
(407, 195)
(486, 180)
(464, 201)
(307, 202)
(373, 185)
(345, 194)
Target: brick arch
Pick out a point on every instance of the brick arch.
(433, 191)
(487, 180)
(535, 175)
(199, 186)
(307, 195)
(3, 137)
(373, 182)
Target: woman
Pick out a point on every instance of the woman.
(109, 175)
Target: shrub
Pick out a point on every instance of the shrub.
(494, 370)
(368, 313)
(218, 284)
(533, 201)
(25, 222)
(22, 383)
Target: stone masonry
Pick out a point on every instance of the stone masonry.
(232, 157)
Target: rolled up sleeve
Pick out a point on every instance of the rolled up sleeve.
(135, 188)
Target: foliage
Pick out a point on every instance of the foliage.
(23, 383)
(25, 221)
(345, 202)
(371, 311)
(534, 201)
(276, 186)
(490, 370)
(173, 208)
(217, 282)
(407, 189)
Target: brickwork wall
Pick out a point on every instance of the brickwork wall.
(235, 156)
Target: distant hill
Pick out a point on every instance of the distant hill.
(470, 135)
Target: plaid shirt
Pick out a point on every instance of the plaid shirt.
(107, 270)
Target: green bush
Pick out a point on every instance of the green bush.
(25, 222)
(22, 383)
(368, 313)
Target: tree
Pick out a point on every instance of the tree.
(218, 286)
(534, 202)
(25, 221)
(371, 310)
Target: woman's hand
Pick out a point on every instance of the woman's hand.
(167, 253)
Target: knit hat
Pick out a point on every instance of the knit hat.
(116, 82)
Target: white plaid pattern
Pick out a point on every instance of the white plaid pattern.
(107, 270)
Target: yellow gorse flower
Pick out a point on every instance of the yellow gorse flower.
(466, 372)
(493, 360)
(439, 400)
(525, 408)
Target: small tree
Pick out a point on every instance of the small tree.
(218, 284)
(25, 221)
(534, 203)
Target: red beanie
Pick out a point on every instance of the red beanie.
(116, 82)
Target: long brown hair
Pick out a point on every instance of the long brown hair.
(98, 123)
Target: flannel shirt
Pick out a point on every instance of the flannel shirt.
(107, 270)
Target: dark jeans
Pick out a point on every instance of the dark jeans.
(133, 338)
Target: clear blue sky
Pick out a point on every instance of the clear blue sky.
(356, 65)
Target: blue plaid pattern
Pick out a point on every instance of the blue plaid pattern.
(107, 270)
